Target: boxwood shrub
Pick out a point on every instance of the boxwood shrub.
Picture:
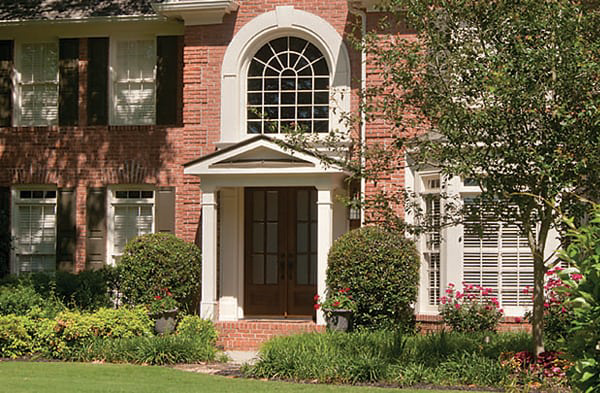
(155, 261)
(381, 268)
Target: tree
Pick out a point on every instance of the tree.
(506, 93)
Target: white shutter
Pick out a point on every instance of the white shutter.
(135, 85)
(497, 257)
(38, 68)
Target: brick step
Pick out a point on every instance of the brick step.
(248, 335)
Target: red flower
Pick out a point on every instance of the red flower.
(316, 298)
(336, 304)
(157, 297)
(518, 319)
(317, 306)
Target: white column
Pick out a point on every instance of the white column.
(229, 251)
(324, 240)
(209, 254)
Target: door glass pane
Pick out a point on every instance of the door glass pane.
(302, 238)
(302, 205)
(313, 269)
(271, 269)
(302, 270)
(272, 205)
(272, 237)
(258, 205)
(313, 204)
(313, 236)
(258, 269)
(258, 237)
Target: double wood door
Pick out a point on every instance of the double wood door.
(280, 251)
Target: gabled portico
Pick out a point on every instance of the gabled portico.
(269, 217)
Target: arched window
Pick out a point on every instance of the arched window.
(288, 88)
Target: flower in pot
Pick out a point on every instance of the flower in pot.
(338, 308)
(163, 309)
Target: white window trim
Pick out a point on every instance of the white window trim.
(283, 21)
(17, 93)
(112, 75)
(15, 201)
(451, 247)
(111, 201)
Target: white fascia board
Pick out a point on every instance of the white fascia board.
(196, 12)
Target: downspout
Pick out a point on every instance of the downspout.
(363, 116)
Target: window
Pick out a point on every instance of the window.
(134, 82)
(38, 83)
(34, 230)
(288, 88)
(497, 256)
(132, 214)
(482, 251)
(431, 254)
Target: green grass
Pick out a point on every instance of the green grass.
(17, 377)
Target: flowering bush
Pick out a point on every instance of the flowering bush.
(163, 301)
(547, 371)
(558, 313)
(336, 300)
(473, 310)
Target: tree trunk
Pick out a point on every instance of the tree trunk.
(537, 321)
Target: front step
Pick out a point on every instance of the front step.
(247, 335)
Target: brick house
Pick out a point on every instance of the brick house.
(121, 117)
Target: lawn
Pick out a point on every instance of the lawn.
(16, 377)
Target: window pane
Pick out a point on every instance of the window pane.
(286, 58)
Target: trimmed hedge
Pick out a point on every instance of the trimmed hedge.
(160, 260)
(381, 268)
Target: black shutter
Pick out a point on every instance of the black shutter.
(66, 230)
(97, 83)
(5, 238)
(68, 99)
(165, 210)
(96, 228)
(169, 84)
(6, 66)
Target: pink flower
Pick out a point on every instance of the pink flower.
(576, 276)
(459, 295)
(518, 319)
(546, 304)
(449, 291)
(451, 285)
(501, 311)
(443, 300)
(457, 306)
(563, 310)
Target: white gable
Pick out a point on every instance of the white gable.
(259, 155)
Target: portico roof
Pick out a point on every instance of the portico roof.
(259, 155)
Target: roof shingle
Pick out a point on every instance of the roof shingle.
(72, 9)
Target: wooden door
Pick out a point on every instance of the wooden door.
(280, 251)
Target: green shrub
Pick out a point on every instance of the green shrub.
(152, 262)
(197, 328)
(583, 286)
(86, 291)
(73, 326)
(381, 268)
(23, 300)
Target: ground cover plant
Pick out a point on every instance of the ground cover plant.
(389, 357)
(25, 377)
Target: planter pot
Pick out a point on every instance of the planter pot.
(338, 320)
(165, 321)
